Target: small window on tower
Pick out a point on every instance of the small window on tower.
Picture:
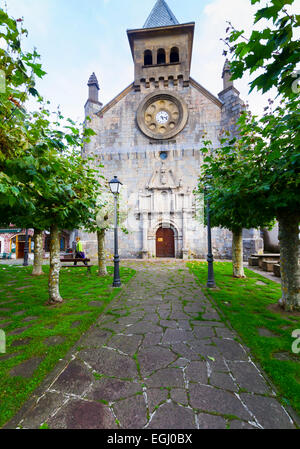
(148, 60)
(161, 56)
(174, 56)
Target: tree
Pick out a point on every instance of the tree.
(272, 153)
(104, 220)
(233, 205)
(44, 182)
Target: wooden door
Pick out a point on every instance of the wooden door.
(165, 244)
(20, 250)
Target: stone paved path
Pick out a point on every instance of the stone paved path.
(149, 363)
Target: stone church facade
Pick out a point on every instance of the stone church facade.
(150, 136)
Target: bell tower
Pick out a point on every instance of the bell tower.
(162, 49)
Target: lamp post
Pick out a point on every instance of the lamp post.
(115, 186)
(210, 258)
(26, 249)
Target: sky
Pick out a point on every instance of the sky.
(78, 37)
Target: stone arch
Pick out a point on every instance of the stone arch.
(148, 58)
(174, 54)
(166, 224)
(161, 56)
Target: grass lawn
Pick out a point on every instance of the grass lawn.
(251, 310)
(40, 335)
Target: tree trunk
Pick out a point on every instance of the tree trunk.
(38, 253)
(102, 271)
(54, 295)
(289, 261)
(237, 254)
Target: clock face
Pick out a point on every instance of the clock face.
(162, 117)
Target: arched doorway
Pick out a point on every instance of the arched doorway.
(165, 242)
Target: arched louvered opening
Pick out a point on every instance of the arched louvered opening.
(161, 56)
(148, 59)
(174, 55)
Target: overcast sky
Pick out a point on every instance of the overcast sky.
(78, 37)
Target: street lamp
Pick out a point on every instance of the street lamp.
(26, 249)
(115, 187)
(210, 258)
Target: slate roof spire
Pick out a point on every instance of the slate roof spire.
(161, 16)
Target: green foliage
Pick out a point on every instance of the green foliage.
(43, 179)
(274, 51)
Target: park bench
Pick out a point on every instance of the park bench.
(276, 270)
(76, 266)
(267, 265)
(253, 261)
(267, 256)
(5, 255)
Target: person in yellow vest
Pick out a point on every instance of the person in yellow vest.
(79, 254)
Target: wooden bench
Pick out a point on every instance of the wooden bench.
(76, 266)
(267, 256)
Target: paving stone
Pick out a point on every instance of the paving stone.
(151, 339)
(20, 330)
(155, 397)
(21, 312)
(224, 333)
(4, 325)
(211, 421)
(248, 377)
(186, 351)
(208, 323)
(110, 363)
(168, 323)
(179, 395)
(125, 343)
(211, 316)
(235, 424)
(267, 411)
(79, 414)
(30, 318)
(96, 304)
(75, 379)
(132, 412)
(211, 399)
(154, 358)
(75, 324)
(142, 328)
(184, 324)
(222, 380)
(197, 372)
(97, 337)
(204, 332)
(21, 342)
(112, 390)
(182, 418)
(55, 340)
(263, 332)
(26, 369)
(45, 407)
(170, 377)
(230, 349)
(5, 310)
(172, 336)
